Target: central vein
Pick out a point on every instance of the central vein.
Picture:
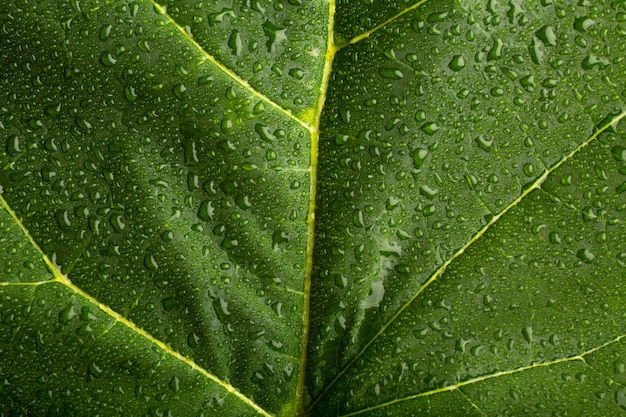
(314, 129)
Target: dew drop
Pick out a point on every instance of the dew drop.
(430, 128)
(391, 73)
(457, 63)
(150, 263)
(585, 255)
(546, 35)
(235, 43)
(527, 332)
(107, 59)
(179, 90)
(206, 211)
(357, 218)
(296, 73)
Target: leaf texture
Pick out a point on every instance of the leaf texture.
(325, 208)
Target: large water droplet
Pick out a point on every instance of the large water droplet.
(391, 73)
(107, 59)
(457, 63)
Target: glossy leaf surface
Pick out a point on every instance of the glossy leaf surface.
(312, 208)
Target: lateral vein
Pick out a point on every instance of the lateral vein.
(60, 278)
(163, 11)
(536, 184)
(578, 357)
(382, 25)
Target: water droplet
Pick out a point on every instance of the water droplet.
(585, 255)
(528, 333)
(179, 90)
(117, 222)
(105, 32)
(391, 73)
(107, 59)
(63, 219)
(206, 211)
(430, 128)
(174, 384)
(169, 303)
(357, 218)
(591, 61)
(264, 132)
(150, 263)
(486, 144)
(428, 192)
(497, 92)
(529, 169)
(191, 155)
(546, 35)
(235, 43)
(496, 50)
(193, 340)
(418, 155)
(296, 73)
(274, 34)
(437, 17)
(582, 24)
(536, 54)
(218, 17)
(82, 123)
(13, 145)
(67, 314)
(457, 63)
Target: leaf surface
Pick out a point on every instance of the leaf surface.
(283, 208)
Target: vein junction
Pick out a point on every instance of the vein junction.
(535, 185)
(331, 50)
(64, 280)
(162, 10)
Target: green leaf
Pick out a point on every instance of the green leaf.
(312, 207)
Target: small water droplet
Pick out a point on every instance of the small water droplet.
(430, 128)
(107, 59)
(206, 211)
(546, 35)
(419, 155)
(193, 340)
(484, 143)
(391, 73)
(585, 255)
(105, 32)
(191, 154)
(357, 218)
(582, 24)
(264, 132)
(527, 332)
(296, 73)
(496, 50)
(457, 63)
(179, 90)
(235, 42)
(150, 263)
(428, 192)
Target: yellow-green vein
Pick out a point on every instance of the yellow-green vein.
(536, 184)
(578, 357)
(223, 68)
(380, 26)
(331, 50)
(64, 280)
